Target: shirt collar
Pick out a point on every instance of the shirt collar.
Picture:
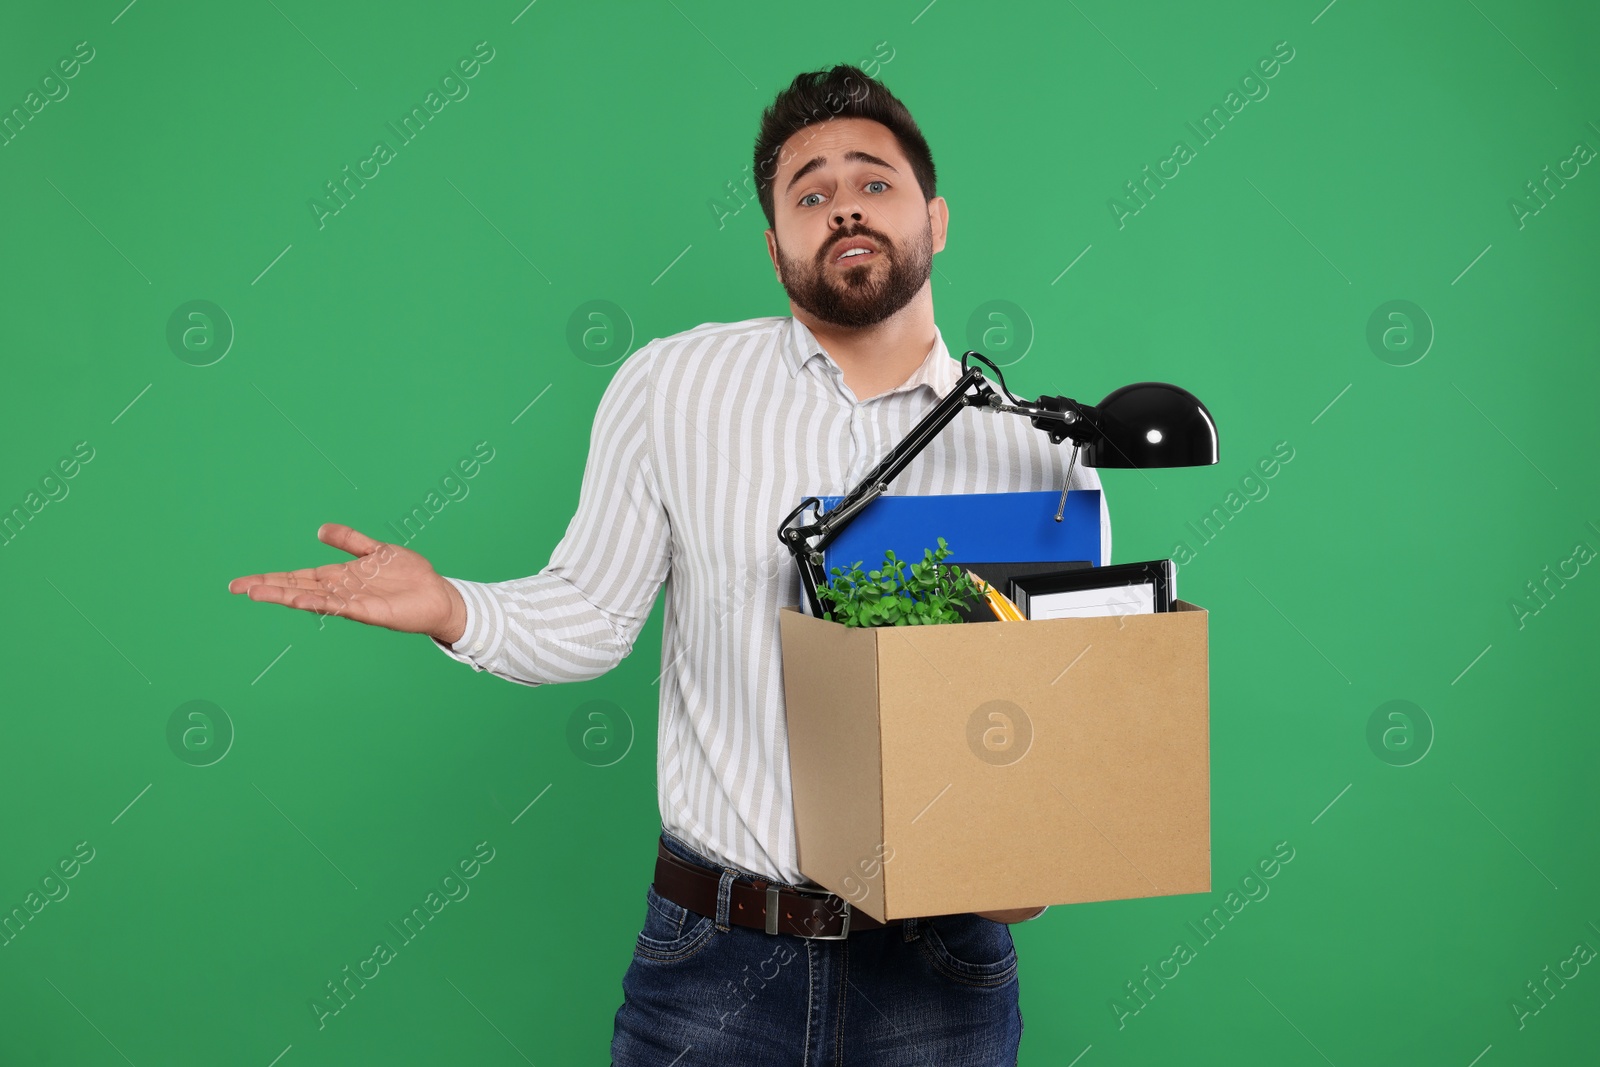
(939, 371)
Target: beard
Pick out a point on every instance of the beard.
(856, 297)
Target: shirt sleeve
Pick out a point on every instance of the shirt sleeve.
(580, 616)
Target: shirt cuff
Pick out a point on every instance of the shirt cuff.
(485, 626)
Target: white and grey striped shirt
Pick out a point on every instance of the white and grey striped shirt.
(702, 443)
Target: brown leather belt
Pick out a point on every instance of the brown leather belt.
(757, 903)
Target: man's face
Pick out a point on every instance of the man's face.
(844, 185)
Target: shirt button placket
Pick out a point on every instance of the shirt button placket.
(859, 455)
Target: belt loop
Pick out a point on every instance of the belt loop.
(724, 898)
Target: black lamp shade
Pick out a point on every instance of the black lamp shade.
(1151, 424)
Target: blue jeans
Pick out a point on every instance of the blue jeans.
(939, 990)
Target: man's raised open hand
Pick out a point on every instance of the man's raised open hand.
(386, 585)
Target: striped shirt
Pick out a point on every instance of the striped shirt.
(702, 443)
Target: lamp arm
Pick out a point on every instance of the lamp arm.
(1059, 416)
(807, 542)
(876, 482)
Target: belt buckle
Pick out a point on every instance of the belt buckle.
(772, 918)
(842, 934)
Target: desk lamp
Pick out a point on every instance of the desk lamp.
(1146, 424)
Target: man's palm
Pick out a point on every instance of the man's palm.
(386, 585)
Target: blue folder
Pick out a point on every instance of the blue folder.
(992, 527)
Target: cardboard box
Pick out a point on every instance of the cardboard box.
(992, 765)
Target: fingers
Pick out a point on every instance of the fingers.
(336, 535)
(289, 597)
(243, 584)
(301, 579)
(345, 539)
(317, 601)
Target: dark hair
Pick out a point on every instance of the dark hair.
(843, 92)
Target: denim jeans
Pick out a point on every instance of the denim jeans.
(939, 990)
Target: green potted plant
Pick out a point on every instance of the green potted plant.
(892, 597)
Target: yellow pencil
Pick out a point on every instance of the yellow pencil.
(999, 603)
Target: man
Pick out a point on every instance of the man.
(702, 443)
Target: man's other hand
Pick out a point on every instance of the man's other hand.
(1012, 915)
(386, 585)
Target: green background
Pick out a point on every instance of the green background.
(1436, 870)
